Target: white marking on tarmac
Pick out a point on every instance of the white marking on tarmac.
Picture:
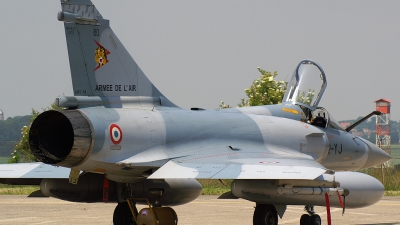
(367, 214)
(44, 222)
(22, 218)
(295, 211)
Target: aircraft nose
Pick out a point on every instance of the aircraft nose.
(376, 155)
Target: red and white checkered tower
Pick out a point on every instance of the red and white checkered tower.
(383, 124)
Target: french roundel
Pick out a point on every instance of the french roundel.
(115, 134)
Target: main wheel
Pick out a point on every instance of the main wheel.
(305, 219)
(265, 215)
(315, 220)
(123, 215)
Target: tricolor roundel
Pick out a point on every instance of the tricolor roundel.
(115, 134)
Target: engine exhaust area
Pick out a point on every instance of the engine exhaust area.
(61, 138)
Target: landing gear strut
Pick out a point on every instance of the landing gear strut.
(265, 215)
(311, 218)
(122, 213)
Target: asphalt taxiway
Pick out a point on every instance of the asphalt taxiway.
(204, 210)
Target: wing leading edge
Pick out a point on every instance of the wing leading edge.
(284, 169)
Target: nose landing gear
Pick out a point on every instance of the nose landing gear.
(311, 218)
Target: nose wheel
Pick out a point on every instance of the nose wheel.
(311, 218)
(306, 219)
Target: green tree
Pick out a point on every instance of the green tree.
(22, 152)
(222, 105)
(10, 133)
(265, 90)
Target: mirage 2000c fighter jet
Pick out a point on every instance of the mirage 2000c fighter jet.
(119, 139)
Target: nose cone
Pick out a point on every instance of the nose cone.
(376, 155)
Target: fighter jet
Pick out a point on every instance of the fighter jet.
(119, 139)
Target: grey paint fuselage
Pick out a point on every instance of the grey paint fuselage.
(152, 136)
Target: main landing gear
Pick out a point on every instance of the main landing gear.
(126, 212)
(311, 218)
(265, 215)
(122, 215)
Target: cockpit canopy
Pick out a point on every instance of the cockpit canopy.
(307, 85)
(305, 89)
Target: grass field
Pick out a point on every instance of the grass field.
(3, 159)
(395, 153)
(6, 189)
(215, 187)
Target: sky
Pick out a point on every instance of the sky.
(198, 53)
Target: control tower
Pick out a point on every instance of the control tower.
(383, 125)
(1, 115)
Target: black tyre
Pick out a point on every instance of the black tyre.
(315, 220)
(305, 219)
(265, 215)
(122, 215)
